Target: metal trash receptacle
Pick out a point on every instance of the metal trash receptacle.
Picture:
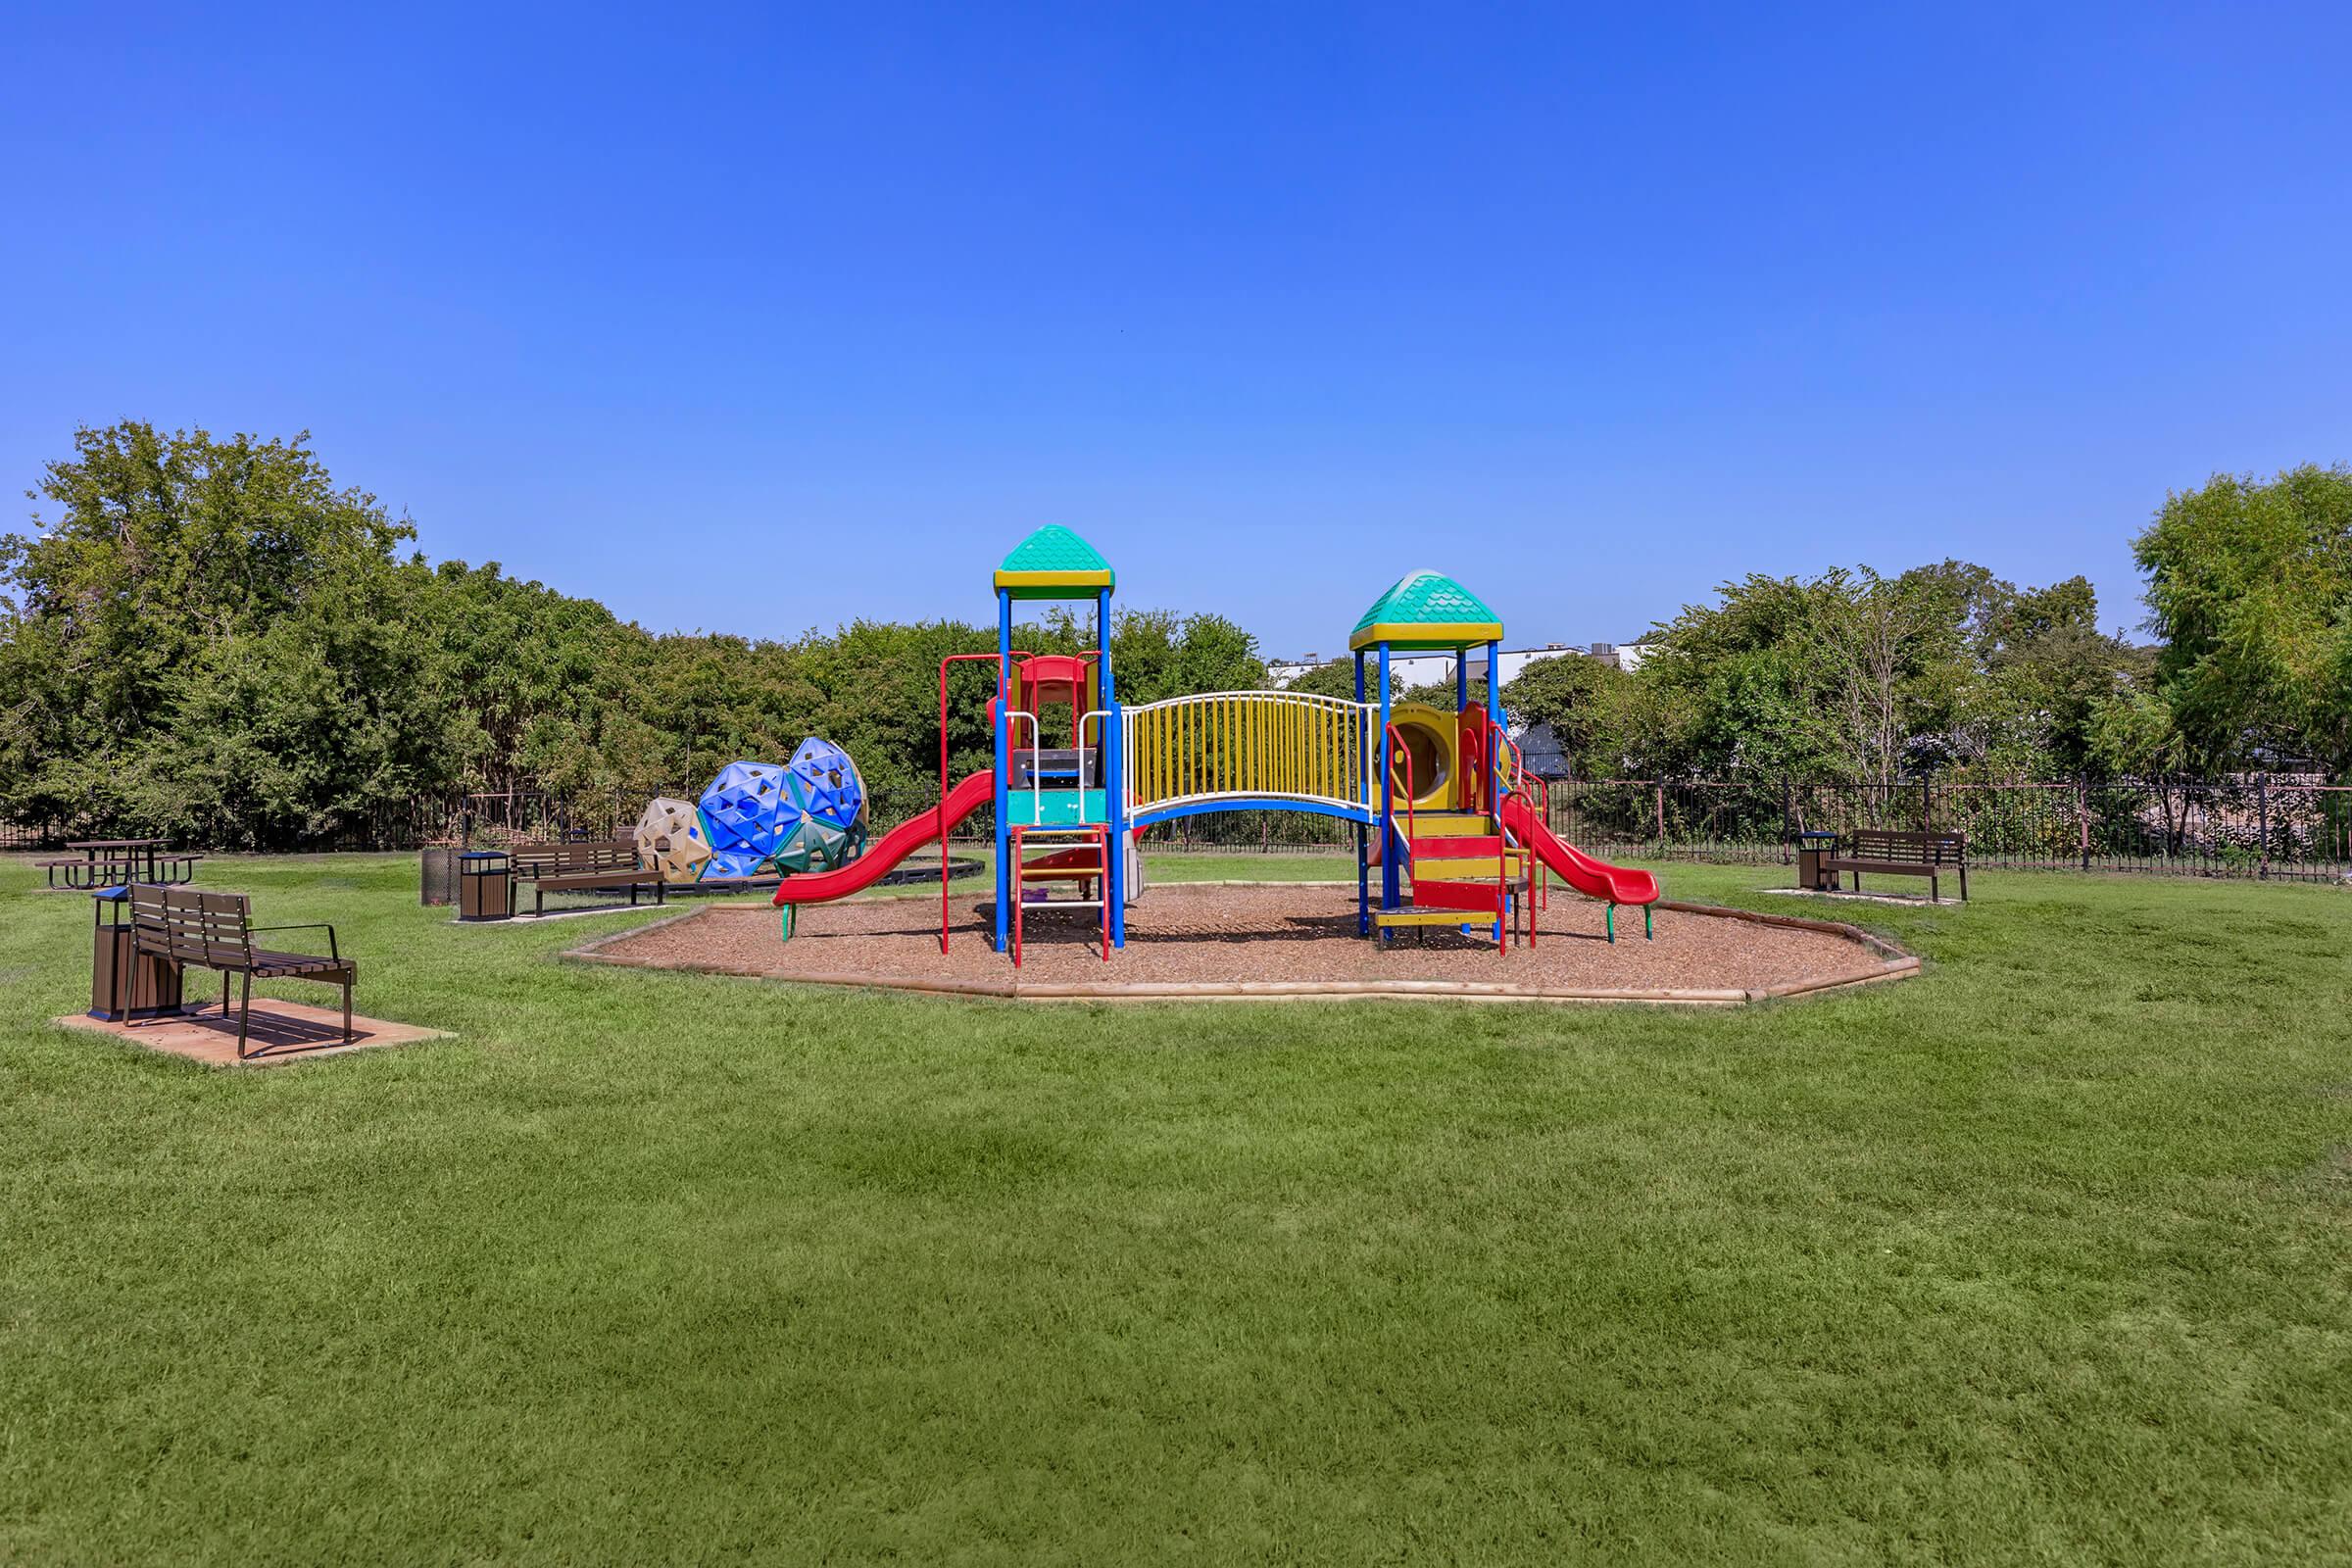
(437, 873)
(1811, 850)
(485, 885)
(122, 984)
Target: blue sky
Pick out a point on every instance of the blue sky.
(764, 320)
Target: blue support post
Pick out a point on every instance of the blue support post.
(1462, 679)
(1363, 839)
(1003, 761)
(1114, 783)
(1389, 879)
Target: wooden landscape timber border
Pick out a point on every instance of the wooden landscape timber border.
(1892, 963)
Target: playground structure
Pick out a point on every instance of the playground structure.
(1444, 810)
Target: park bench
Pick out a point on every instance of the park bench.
(580, 868)
(215, 931)
(1889, 852)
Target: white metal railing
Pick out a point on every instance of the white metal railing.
(1036, 744)
(1099, 718)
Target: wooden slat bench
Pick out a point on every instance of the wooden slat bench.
(1885, 852)
(215, 931)
(578, 868)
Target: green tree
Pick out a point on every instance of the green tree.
(1333, 678)
(210, 638)
(1161, 654)
(2250, 587)
(2046, 668)
(1594, 710)
(2131, 734)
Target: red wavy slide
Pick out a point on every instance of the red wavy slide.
(1594, 879)
(890, 848)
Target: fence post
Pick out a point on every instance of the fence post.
(2262, 808)
(1927, 805)
(2083, 816)
(1787, 816)
(1660, 785)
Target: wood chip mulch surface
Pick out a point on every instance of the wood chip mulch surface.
(1207, 934)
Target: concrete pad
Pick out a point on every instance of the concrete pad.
(1847, 897)
(282, 1031)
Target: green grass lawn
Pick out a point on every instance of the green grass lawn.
(2044, 1256)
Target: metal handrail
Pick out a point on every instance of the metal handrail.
(1037, 746)
(1100, 741)
(941, 811)
(1412, 822)
(1519, 781)
(1502, 832)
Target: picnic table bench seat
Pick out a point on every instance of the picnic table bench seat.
(85, 872)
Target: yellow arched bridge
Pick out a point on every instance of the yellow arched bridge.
(1232, 750)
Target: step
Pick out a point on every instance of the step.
(1445, 824)
(1510, 866)
(1457, 847)
(1393, 918)
(1474, 897)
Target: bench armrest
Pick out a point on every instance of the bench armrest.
(332, 951)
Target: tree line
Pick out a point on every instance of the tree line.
(1948, 671)
(214, 640)
(210, 639)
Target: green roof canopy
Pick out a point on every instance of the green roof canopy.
(1427, 610)
(1055, 564)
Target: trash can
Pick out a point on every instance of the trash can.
(437, 873)
(485, 885)
(1811, 850)
(122, 984)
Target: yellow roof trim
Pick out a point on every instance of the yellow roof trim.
(1427, 634)
(1055, 579)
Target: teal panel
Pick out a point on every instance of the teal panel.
(1056, 808)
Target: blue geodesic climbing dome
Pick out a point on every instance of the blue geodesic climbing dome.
(747, 808)
(829, 798)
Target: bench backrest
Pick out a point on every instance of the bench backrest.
(211, 929)
(529, 859)
(1910, 847)
(553, 859)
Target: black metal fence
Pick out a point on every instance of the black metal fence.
(2257, 825)
(2254, 825)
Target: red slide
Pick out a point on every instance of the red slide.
(1594, 879)
(889, 848)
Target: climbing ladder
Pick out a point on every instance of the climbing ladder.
(1082, 853)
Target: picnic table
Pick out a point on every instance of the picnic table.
(112, 863)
